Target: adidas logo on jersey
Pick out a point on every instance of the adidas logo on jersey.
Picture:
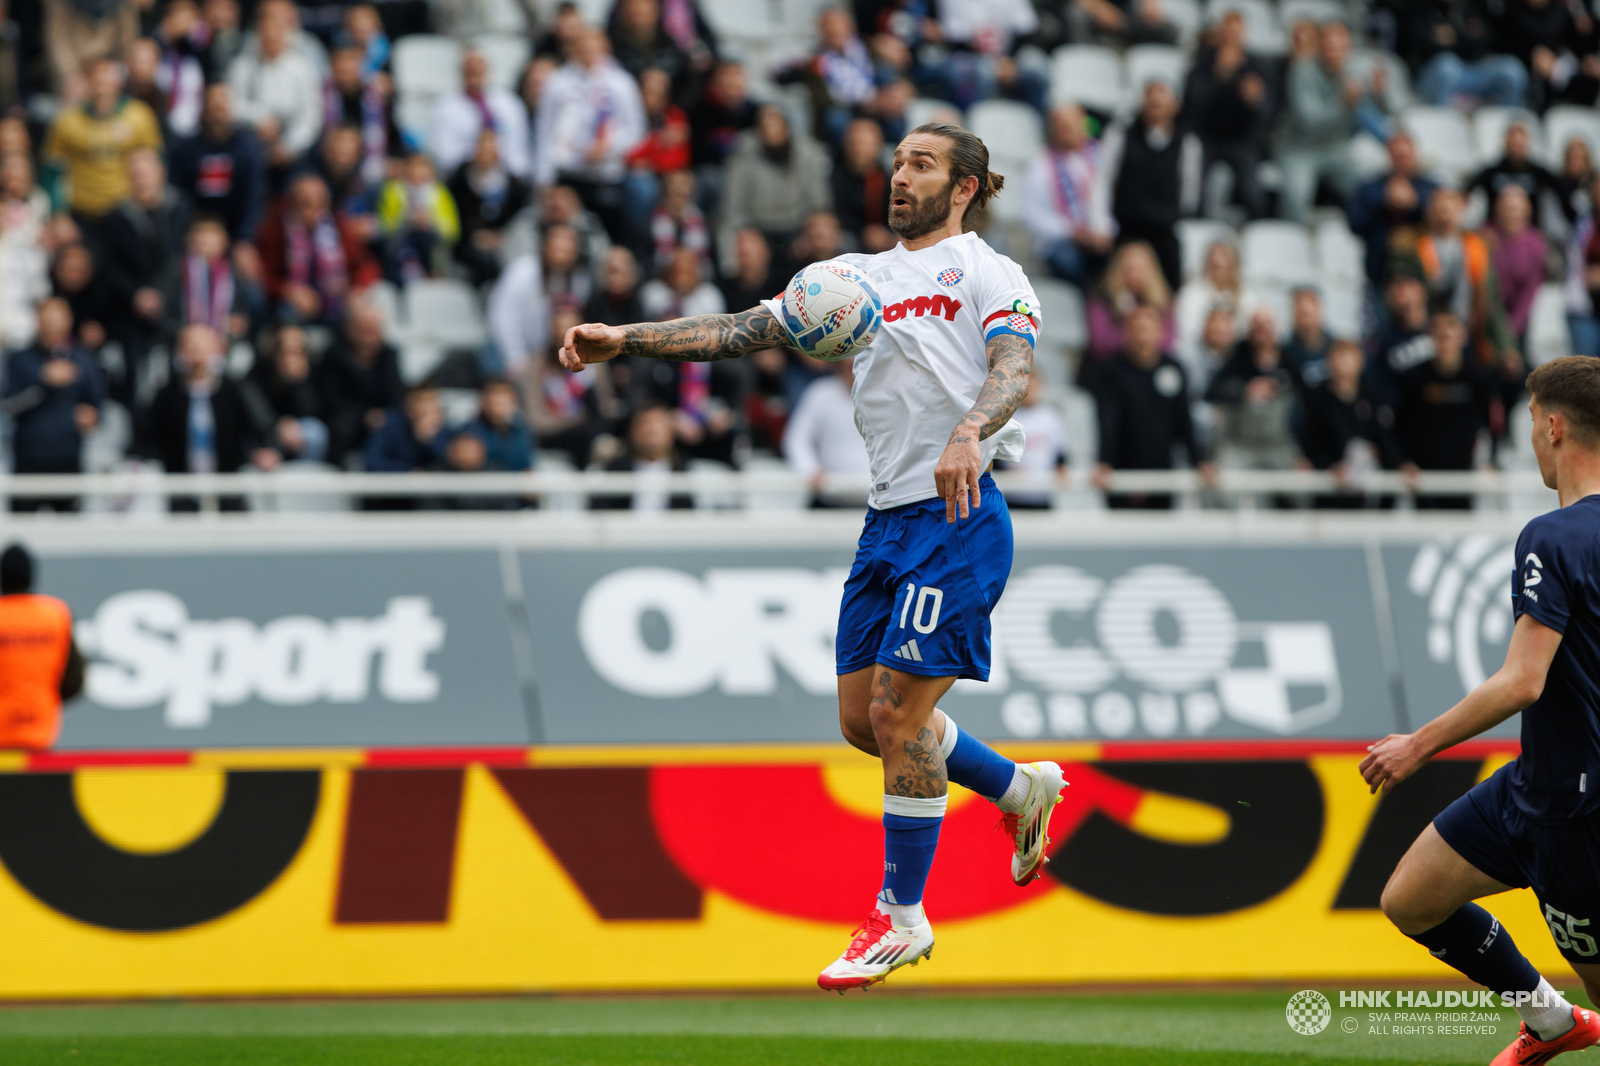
(908, 650)
(922, 305)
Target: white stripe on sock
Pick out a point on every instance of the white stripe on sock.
(912, 807)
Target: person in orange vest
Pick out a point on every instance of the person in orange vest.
(40, 665)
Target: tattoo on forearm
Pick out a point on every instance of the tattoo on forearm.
(1010, 359)
(927, 778)
(704, 338)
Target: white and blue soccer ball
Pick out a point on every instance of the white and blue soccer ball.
(831, 310)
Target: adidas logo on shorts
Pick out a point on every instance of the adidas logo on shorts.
(908, 650)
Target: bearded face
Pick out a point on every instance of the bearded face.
(912, 216)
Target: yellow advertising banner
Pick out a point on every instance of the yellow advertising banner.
(608, 869)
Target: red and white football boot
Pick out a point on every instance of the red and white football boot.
(1029, 828)
(1529, 1050)
(876, 950)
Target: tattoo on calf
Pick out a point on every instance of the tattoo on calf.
(705, 338)
(927, 778)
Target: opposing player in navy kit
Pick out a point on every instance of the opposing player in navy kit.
(954, 350)
(1535, 822)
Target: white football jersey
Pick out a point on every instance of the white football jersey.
(924, 369)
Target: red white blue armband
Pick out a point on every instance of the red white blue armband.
(1017, 320)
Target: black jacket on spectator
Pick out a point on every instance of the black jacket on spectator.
(270, 399)
(1215, 109)
(1144, 414)
(714, 130)
(1231, 379)
(603, 307)
(1438, 418)
(1424, 25)
(143, 247)
(226, 178)
(1532, 178)
(350, 390)
(478, 213)
(678, 501)
(860, 200)
(165, 433)
(1396, 349)
(1374, 221)
(46, 439)
(1328, 425)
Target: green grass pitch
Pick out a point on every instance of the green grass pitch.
(884, 1028)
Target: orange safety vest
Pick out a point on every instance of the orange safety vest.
(35, 638)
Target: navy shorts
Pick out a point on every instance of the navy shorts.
(921, 589)
(1561, 863)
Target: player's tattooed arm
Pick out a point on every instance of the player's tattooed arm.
(704, 338)
(1010, 360)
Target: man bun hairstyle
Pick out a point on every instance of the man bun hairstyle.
(1570, 385)
(968, 158)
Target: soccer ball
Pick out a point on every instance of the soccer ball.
(831, 310)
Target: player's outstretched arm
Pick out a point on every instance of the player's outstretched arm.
(956, 475)
(699, 339)
(1513, 687)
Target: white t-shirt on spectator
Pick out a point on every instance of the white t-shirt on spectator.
(1047, 438)
(661, 302)
(821, 436)
(924, 370)
(519, 313)
(457, 123)
(575, 104)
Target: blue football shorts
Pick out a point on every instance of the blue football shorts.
(1561, 863)
(921, 590)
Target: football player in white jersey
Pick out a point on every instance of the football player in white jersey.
(934, 395)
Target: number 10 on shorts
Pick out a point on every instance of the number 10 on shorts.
(925, 619)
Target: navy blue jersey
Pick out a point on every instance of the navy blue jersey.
(1556, 583)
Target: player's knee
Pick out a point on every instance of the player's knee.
(886, 717)
(853, 737)
(1404, 911)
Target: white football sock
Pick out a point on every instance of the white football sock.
(947, 743)
(1016, 793)
(903, 915)
(1549, 1014)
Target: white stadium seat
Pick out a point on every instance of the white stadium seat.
(1195, 236)
(506, 56)
(1155, 62)
(1398, 89)
(1062, 319)
(386, 298)
(1277, 253)
(1089, 75)
(413, 113)
(1444, 142)
(1341, 310)
(1489, 125)
(445, 311)
(1012, 131)
(1340, 253)
(1316, 11)
(929, 109)
(1563, 123)
(426, 64)
(1263, 32)
(1187, 16)
(1548, 337)
(747, 19)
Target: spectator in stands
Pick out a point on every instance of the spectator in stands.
(142, 63)
(860, 184)
(460, 116)
(1557, 51)
(363, 30)
(222, 167)
(92, 143)
(983, 35)
(590, 117)
(821, 437)
(26, 233)
(775, 180)
(1581, 289)
(1133, 280)
(199, 423)
(663, 149)
(567, 279)
(560, 206)
(13, 61)
(1069, 213)
(75, 279)
(1155, 172)
(1346, 427)
(355, 100)
(1444, 405)
(1226, 103)
(288, 403)
(677, 223)
(753, 278)
(716, 121)
(412, 438)
(1306, 350)
(1576, 176)
(1218, 341)
(1322, 108)
(339, 165)
(641, 43)
(1450, 46)
(53, 395)
(278, 89)
(1403, 341)
(1255, 393)
(651, 456)
(1387, 207)
(487, 197)
(141, 250)
(80, 33)
(1518, 167)
(226, 37)
(570, 411)
(1120, 22)
(1142, 404)
(501, 428)
(182, 39)
(312, 260)
(1461, 278)
(819, 238)
(681, 291)
(207, 290)
(1219, 285)
(359, 379)
(616, 299)
(1045, 452)
(841, 74)
(418, 221)
(519, 318)
(1517, 254)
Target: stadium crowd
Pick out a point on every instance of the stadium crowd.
(351, 235)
